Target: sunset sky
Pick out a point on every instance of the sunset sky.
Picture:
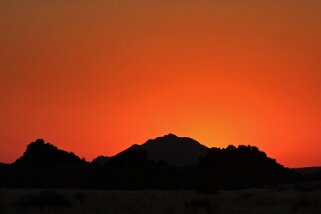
(96, 76)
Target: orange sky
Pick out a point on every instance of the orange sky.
(96, 76)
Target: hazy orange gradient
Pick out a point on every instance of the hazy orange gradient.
(96, 76)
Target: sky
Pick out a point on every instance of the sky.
(94, 76)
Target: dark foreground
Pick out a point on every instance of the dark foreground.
(282, 199)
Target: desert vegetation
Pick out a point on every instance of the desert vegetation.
(276, 199)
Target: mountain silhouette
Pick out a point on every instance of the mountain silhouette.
(242, 166)
(43, 165)
(178, 151)
(167, 162)
(100, 160)
(39, 152)
(305, 171)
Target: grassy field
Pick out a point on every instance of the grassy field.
(273, 200)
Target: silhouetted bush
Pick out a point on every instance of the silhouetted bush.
(208, 190)
(44, 199)
(303, 187)
(307, 203)
(201, 205)
(317, 186)
(2, 206)
(80, 197)
(280, 188)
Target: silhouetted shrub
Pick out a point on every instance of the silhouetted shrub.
(44, 199)
(280, 188)
(209, 190)
(80, 196)
(307, 203)
(244, 197)
(2, 206)
(303, 188)
(201, 205)
(317, 186)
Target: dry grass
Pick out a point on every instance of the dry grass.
(278, 200)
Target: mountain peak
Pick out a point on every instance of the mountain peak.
(166, 138)
(179, 151)
(170, 135)
(39, 141)
(39, 152)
